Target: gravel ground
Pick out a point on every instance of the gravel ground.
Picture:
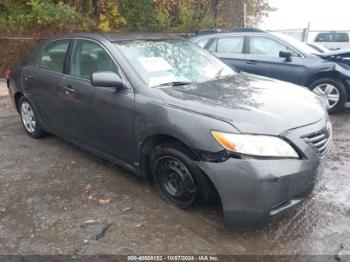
(3, 88)
(57, 199)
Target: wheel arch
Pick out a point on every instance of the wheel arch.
(151, 142)
(17, 97)
(325, 74)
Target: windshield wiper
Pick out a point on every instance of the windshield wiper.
(174, 83)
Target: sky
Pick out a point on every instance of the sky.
(323, 15)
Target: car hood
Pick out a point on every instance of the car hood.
(340, 57)
(250, 103)
(342, 53)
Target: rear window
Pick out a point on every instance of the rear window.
(332, 37)
(340, 37)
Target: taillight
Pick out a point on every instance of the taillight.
(8, 73)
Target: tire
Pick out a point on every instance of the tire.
(331, 89)
(29, 119)
(178, 179)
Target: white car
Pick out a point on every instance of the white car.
(333, 40)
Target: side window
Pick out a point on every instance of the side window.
(53, 56)
(267, 46)
(34, 59)
(213, 46)
(232, 45)
(323, 37)
(89, 58)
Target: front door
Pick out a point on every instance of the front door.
(263, 59)
(99, 117)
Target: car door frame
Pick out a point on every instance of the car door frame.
(260, 61)
(229, 58)
(38, 70)
(129, 90)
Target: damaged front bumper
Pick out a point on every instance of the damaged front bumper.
(254, 190)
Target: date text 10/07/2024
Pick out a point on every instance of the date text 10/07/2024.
(173, 258)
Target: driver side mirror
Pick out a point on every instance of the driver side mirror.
(287, 55)
(107, 79)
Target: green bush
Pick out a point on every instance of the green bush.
(195, 15)
(17, 18)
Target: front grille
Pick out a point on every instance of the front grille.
(320, 142)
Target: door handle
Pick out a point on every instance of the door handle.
(68, 90)
(251, 62)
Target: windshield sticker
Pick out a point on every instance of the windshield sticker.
(154, 64)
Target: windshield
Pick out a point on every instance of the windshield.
(161, 62)
(297, 44)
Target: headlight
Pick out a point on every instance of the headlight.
(255, 145)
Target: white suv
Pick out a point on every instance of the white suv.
(333, 40)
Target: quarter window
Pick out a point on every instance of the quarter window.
(34, 59)
(89, 58)
(232, 45)
(267, 46)
(203, 42)
(53, 56)
(213, 45)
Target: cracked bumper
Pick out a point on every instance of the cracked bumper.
(254, 190)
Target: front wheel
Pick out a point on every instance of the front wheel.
(29, 119)
(178, 179)
(333, 91)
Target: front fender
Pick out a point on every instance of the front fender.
(192, 129)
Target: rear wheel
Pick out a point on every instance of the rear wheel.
(333, 91)
(177, 178)
(29, 119)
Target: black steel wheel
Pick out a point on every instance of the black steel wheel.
(175, 181)
(177, 177)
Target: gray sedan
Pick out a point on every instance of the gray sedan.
(167, 110)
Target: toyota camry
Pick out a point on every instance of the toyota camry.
(166, 109)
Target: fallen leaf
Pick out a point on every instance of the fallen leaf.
(88, 187)
(90, 197)
(89, 221)
(126, 209)
(104, 201)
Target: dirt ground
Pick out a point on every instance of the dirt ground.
(57, 199)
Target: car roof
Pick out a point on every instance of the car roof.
(120, 36)
(230, 33)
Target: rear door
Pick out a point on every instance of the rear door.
(99, 117)
(229, 49)
(263, 59)
(42, 79)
